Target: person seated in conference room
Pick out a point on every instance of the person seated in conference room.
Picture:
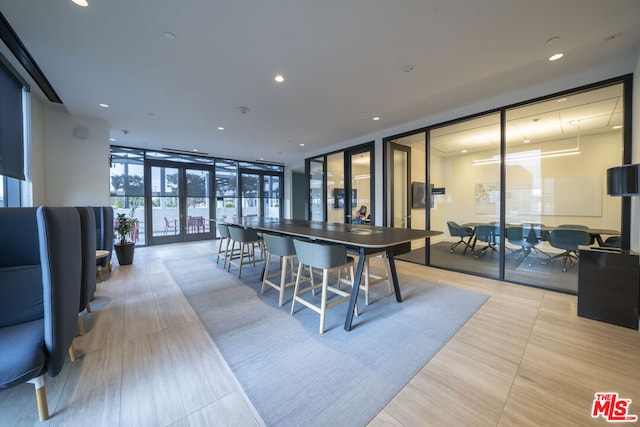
(361, 215)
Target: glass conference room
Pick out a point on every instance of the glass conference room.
(532, 167)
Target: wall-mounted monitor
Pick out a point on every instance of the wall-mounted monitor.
(623, 180)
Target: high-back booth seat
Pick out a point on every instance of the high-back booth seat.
(89, 244)
(40, 278)
(104, 234)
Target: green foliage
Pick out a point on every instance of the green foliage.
(124, 226)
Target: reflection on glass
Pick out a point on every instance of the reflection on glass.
(361, 188)
(165, 212)
(556, 153)
(197, 201)
(471, 194)
(335, 188)
(316, 183)
(250, 194)
(400, 190)
(271, 196)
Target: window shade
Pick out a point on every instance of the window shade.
(11, 133)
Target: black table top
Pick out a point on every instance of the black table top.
(359, 235)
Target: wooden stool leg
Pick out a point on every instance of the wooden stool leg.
(72, 353)
(80, 325)
(296, 289)
(41, 397)
(323, 303)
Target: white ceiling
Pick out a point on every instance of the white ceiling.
(343, 61)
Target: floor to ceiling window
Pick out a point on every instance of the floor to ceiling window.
(177, 196)
(506, 187)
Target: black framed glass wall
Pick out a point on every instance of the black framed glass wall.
(502, 182)
(175, 195)
(341, 185)
(127, 188)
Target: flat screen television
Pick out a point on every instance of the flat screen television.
(623, 180)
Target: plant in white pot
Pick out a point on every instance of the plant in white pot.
(124, 247)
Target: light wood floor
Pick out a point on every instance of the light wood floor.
(524, 358)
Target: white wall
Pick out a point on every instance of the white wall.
(67, 171)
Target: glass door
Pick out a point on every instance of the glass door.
(271, 191)
(180, 204)
(165, 205)
(317, 192)
(399, 168)
(359, 168)
(250, 194)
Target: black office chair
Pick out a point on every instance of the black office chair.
(569, 240)
(456, 230)
(487, 235)
(535, 236)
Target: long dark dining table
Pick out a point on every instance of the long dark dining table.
(366, 239)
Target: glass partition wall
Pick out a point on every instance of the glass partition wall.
(506, 188)
(468, 194)
(340, 186)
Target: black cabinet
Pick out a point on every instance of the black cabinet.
(609, 286)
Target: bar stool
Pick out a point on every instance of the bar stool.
(327, 258)
(282, 247)
(248, 241)
(225, 239)
(373, 279)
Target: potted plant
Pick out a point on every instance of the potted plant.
(124, 248)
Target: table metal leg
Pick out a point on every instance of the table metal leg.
(355, 290)
(394, 274)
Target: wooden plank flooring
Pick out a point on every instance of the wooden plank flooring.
(524, 358)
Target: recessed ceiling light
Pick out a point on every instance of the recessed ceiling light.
(617, 127)
(195, 150)
(464, 151)
(301, 145)
(220, 128)
(279, 78)
(562, 100)
(112, 139)
(169, 35)
(556, 56)
(526, 141)
(104, 105)
(376, 118)
(82, 3)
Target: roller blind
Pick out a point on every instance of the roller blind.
(11, 129)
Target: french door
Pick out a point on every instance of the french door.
(179, 208)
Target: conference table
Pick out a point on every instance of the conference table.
(365, 239)
(596, 233)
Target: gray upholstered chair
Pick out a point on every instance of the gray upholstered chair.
(248, 241)
(225, 241)
(282, 247)
(89, 243)
(456, 230)
(326, 258)
(40, 276)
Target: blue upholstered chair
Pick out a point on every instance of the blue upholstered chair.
(40, 276)
(569, 240)
(89, 243)
(456, 230)
(487, 235)
(104, 236)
